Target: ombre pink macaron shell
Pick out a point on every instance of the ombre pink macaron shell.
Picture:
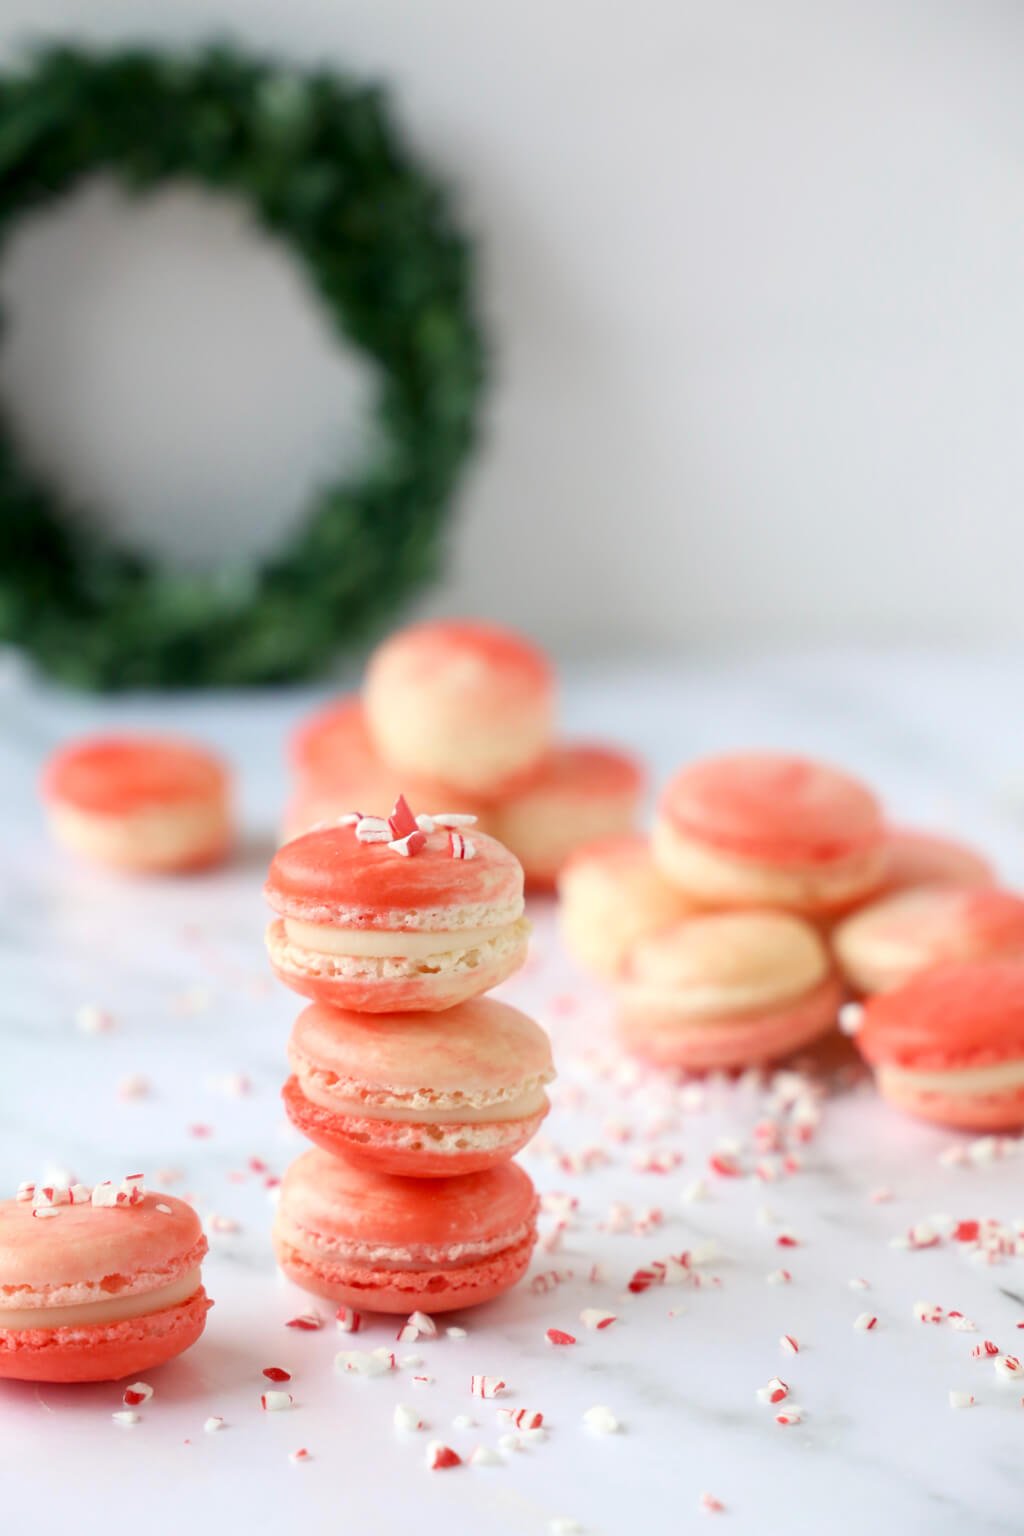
(479, 1050)
(915, 929)
(581, 792)
(330, 876)
(773, 808)
(336, 1201)
(670, 1039)
(122, 775)
(924, 858)
(955, 1016)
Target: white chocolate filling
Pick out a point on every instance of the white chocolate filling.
(1001, 1077)
(529, 1103)
(385, 943)
(116, 1310)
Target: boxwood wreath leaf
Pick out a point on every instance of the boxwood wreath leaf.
(317, 160)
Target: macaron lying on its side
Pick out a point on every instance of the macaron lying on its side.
(762, 829)
(611, 893)
(390, 1244)
(419, 1094)
(95, 1292)
(366, 926)
(579, 793)
(730, 989)
(147, 804)
(886, 943)
(948, 1045)
(461, 701)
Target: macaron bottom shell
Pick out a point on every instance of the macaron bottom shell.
(959, 1111)
(102, 1352)
(422, 1151)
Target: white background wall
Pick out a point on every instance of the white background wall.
(754, 269)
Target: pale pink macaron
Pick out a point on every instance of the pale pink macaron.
(763, 829)
(338, 769)
(580, 792)
(727, 989)
(914, 858)
(94, 1292)
(419, 1094)
(141, 803)
(461, 701)
(884, 944)
(611, 893)
(395, 920)
(348, 1232)
(948, 1045)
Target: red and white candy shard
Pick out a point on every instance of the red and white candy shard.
(308, 1321)
(448, 819)
(26, 1190)
(138, 1392)
(417, 1326)
(275, 1402)
(440, 1456)
(402, 822)
(789, 1344)
(790, 1416)
(276, 1373)
(928, 1312)
(373, 829)
(408, 846)
(407, 1418)
(961, 1399)
(865, 1321)
(557, 1336)
(460, 847)
(300, 1455)
(213, 1423)
(984, 1350)
(483, 1456)
(126, 1416)
(81, 1194)
(775, 1392)
(376, 1362)
(778, 1277)
(601, 1420)
(593, 1317)
(1008, 1366)
(486, 1386)
(710, 1504)
(520, 1418)
(348, 1319)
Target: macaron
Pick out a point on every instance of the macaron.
(412, 1093)
(762, 829)
(925, 858)
(578, 794)
(92, 1292)
(728, 989)
(948, 1045)
(611, 893)
(390, 1244)
(381, 917)
(148, 804)
(337, 768)
(884, 944)
(461, 701)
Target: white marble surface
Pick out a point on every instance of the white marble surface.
(179, 966)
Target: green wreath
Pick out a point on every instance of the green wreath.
(320, 165)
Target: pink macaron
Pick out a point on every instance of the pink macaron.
(762, 829)
(148, 804)
(461, 701)
(381, 917)
(925, 858)
(611, 893)
(92, 1292)
(884, 944)
(726, 990)
(338, 769)
(348, 1232)
(418, 1094)
(948, 1045)
(579, 793)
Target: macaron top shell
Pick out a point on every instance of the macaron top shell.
(950, 1017)
(773, 808)
(332, 877)
(477, 1051)
(116, 775)
(727, 963)
(469, 654)
(90, 1253)
(946, 922)
(924, 858)
(583, 770)
(382, 1218)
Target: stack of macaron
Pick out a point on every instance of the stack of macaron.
(460, 712)
(770, 891)
(415, 1088)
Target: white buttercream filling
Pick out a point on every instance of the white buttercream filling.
(384, 943)
(1001, 1077)
(115, 1310)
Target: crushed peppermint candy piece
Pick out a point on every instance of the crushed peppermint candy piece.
(417, 1326)
(593, 1317)
(520, 1418)
(276, 1373)
(710, 1505)
(276, 1402)
(448, 819)
(857, 1284)
(486, 1386)
(408, 846)
(456, 1333)
(440, 1456)
(43, 1211)
(460, 847)
(928, 1312)
(557, 1336)
(402, 821)
(138, 1392)
(105, 1194)
(307, 1321)
(789, 1416)
(51, 1194)
(300, 1455)
(463, 1421)
(26, 1190)
(483, 1456)
(865, 1321)
(789, 1345)
(984, 1350)
(509, 1443)
(373, 829)
(601, 1420)
(377, 1362)
(349, 819)
(426, 823)
(1008, 1366)
(778, 1277)
(80, 1194)
(564, 1525)
(774, 1392)
(961, 1399)
(92, 1020)
(126, 1416)
(348, 1319)
(407, 1418)
(851, 1017)
(213, 1423)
